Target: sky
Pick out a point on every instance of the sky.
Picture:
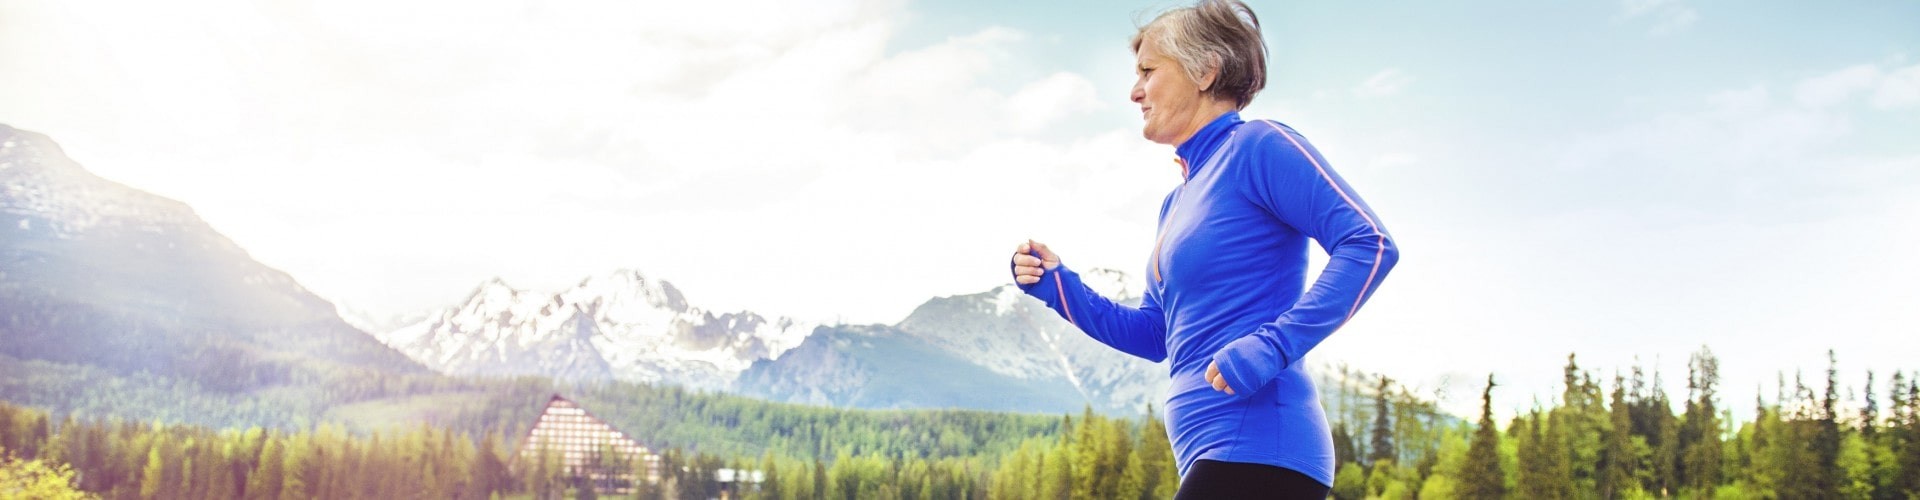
(1625, 180)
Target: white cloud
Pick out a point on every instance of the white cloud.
(1750, 143)
(1386, 83)
(1900, 88)
(1833, 88)
(773, 156)
(1886, 88)
(1044, 102)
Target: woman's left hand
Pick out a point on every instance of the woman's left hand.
(1214, 377)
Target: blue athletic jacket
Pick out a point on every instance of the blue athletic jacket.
(1227, 284)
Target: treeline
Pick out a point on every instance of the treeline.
(1095, 457)
(312, 389)
(1630, 443)
(735, 426)
(1618, 438)
(661, 416)
(127, 460)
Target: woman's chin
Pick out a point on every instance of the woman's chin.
(1156, 138)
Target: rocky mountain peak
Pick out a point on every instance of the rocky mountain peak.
(622, 325)
(37, 178)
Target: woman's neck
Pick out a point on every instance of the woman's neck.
(1209, 111)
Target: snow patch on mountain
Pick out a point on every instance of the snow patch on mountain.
(37, 178)
(620, 326)
(1011, 333)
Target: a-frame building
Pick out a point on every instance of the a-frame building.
(587, 448)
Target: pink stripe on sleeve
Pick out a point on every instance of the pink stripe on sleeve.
(1381, 249)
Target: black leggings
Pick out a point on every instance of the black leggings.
(1212, 479)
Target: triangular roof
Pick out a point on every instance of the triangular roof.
(566, 405)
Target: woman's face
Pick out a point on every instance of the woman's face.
(1169, 100)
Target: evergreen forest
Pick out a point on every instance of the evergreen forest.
(1603, 439)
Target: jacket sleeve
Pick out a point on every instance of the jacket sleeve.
(1294, 184)
(1140, 331)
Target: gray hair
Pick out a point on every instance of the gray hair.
(1213, 35)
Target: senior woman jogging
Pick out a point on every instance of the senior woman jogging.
(1226, 294)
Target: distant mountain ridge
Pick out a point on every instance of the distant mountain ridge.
(1033, 359)
(881, 367)
(965, 351)
(95, 273)
(623, 325)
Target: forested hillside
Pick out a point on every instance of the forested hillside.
(1623, 438)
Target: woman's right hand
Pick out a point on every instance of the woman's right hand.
(1031, 260)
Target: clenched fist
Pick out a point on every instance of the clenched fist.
(1031, 260)
(1219, 382)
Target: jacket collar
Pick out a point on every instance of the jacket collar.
(1195, 152)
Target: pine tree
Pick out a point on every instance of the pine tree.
(1083, 451)
(1760, 472)
(1150, 471)
(1382, 432)
(154, 482)
(1700, 435)
(216, 465)
(1056, 482)
(1556, 472)
(1654, 422)
(1826, 442)
(1897, 394)
(819, 480)
(1009, 482)
(490, 472)
(1542, 459)
(1482, 478)
(264, 482)
(1869, 410)
(298, 466)
(1344, 450)
(1909, 440)
(1794, 460)
(1133, 483)
(67, 444)
(1584, 422)
(1444, 481)
(1617, 468)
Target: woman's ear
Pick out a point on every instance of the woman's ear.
(1212, 74)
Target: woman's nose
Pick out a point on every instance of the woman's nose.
(1137, 95)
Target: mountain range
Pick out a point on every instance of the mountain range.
(965, 351)
(620, 326)
(998, 349)
(118, 283)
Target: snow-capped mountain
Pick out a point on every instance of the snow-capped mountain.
(880, 367)
(375, 324)
(1015, 335)
(999, 350)
(623, 325)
